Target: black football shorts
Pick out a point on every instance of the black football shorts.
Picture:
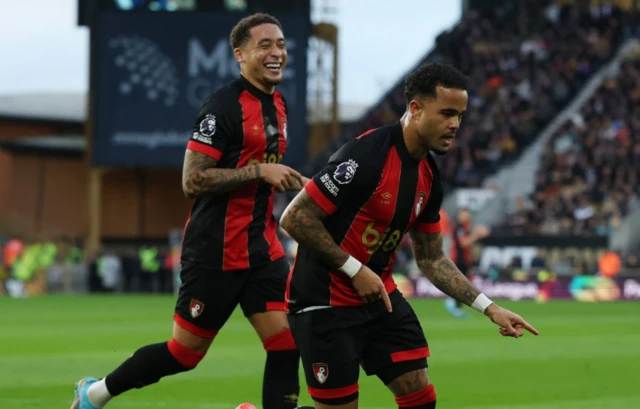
(334, 342)
(207, 298)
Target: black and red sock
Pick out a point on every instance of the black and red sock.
(281, 385)
(151, 363)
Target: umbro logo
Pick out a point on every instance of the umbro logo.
(386, 198)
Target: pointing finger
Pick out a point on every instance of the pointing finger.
(528, 326)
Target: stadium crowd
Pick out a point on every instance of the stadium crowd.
(589, 176)
(524, 63)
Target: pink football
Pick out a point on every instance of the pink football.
(246, 406)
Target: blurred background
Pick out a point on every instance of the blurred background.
(542, 185)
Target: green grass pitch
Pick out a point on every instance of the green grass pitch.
(587, 356)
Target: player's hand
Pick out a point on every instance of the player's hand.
(370, 287)
(282, 177)
(511, 324)
(298, 187)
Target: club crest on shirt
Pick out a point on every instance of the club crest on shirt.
(422, 196)
(345, 172)
(321, 372)
(195, 308)
(208, 125)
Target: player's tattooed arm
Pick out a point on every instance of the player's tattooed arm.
(439, 269)
(201, 177)
(302, 219)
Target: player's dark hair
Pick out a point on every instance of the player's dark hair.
(241, 33)
(426, 78)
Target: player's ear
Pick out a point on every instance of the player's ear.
(237, 53)
(415, 107)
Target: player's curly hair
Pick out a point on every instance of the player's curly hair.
(242, 31)
(426, 78)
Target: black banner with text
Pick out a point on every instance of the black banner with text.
(152, 72)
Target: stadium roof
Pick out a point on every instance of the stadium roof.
(71, 107)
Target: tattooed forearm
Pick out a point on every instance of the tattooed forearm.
(200, 176)
(303, 221)
(439, 269)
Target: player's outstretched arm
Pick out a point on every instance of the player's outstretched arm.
(302, 219)
(439, 269)
(445, 275)
(201, 177)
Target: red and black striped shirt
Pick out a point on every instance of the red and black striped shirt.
(374, 193)
(239, 126)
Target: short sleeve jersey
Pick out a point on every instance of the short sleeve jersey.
(374, 193)
(239, 125)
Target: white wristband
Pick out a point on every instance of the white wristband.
(481, 303)
(351, 267)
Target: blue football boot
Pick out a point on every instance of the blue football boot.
(81, 400)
